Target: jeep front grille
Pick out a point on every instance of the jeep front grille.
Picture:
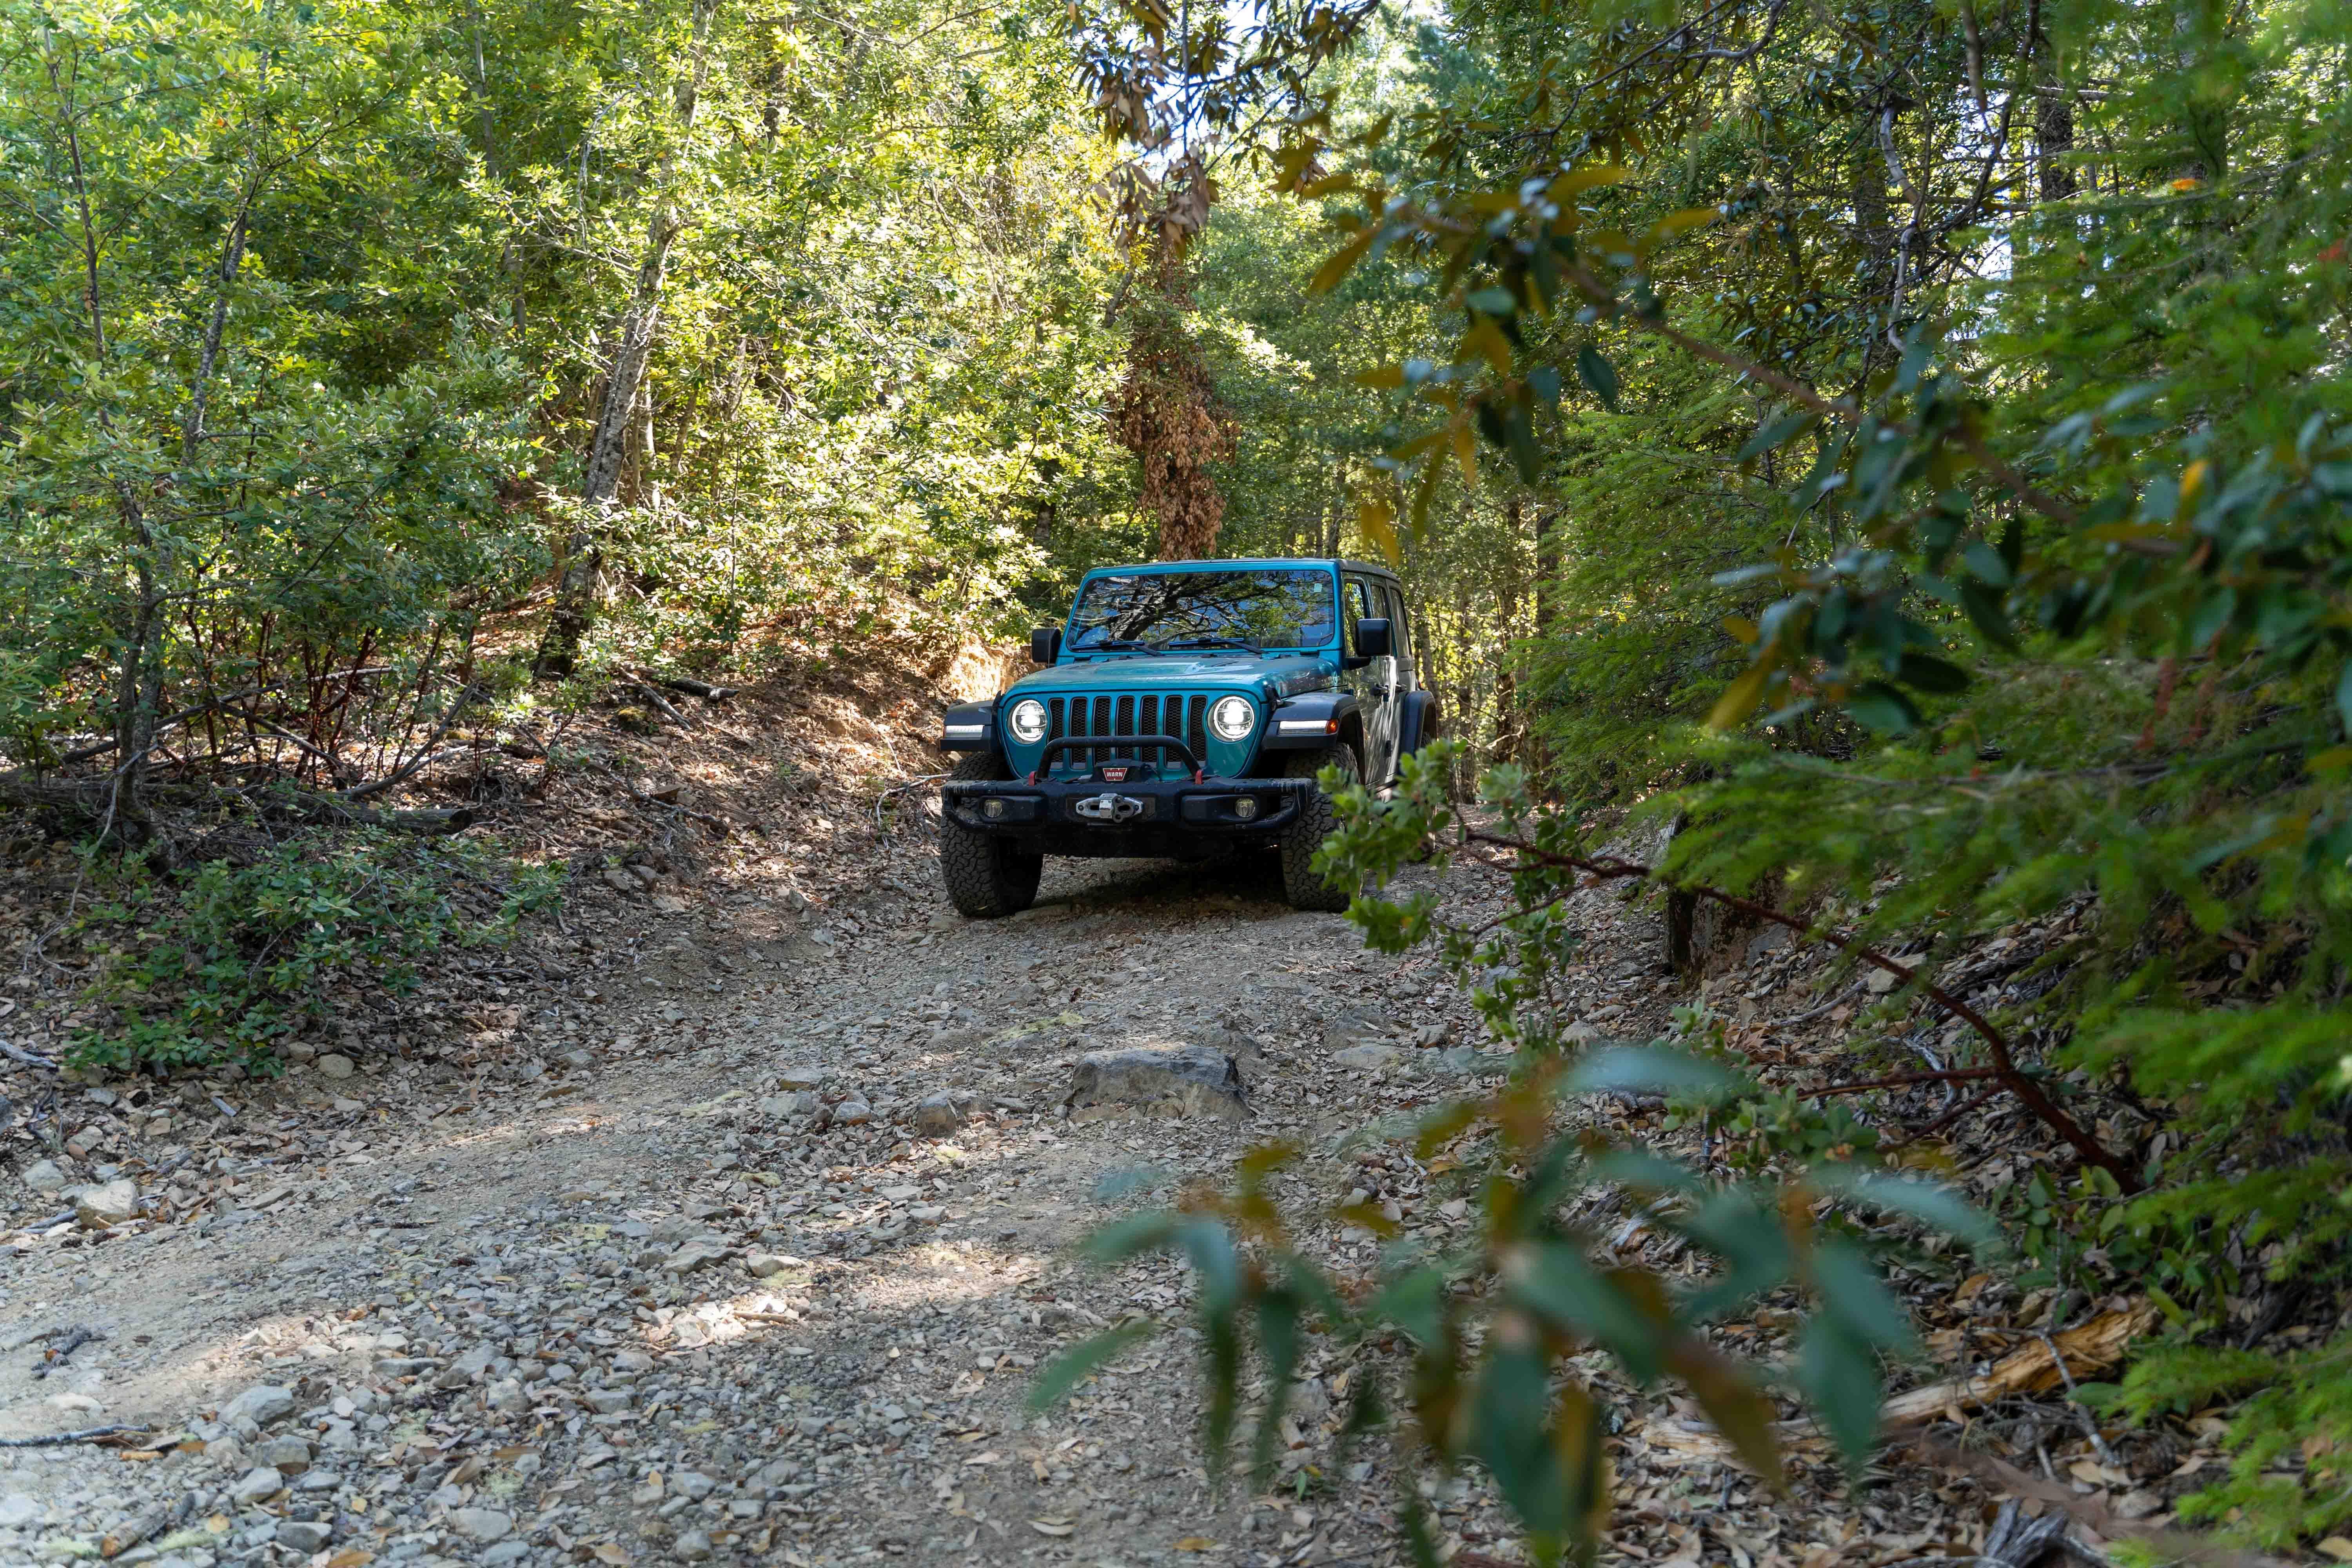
(1130, 717)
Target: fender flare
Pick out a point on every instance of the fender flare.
(1324, 717)
(1418, 725)
(969, 727)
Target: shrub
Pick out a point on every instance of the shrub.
(221, 968)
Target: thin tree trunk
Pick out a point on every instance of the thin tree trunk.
(584, 563)
(137, 688)
(2053, 123)
(1538, 757)
(481, 87)
(1506, 681)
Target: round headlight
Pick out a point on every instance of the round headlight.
(1233, 718)
(1026, 720)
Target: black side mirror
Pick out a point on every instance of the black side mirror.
(1044, 645)
(1373, 637)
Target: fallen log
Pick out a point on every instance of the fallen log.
(690, 685)
(2088, 1350)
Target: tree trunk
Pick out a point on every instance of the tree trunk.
(1166, 413)
(481, 88)
(607, 448)
(1536, 756)
(1506, 681)
(1547, 590)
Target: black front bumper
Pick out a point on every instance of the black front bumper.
(1127, 816)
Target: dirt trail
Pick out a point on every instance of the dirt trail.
(678, 1266)
(667, 1241)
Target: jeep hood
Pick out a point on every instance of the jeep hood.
(1209, 669)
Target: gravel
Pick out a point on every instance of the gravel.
(726, 1246)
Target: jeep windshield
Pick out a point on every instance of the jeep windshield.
(1158, 611)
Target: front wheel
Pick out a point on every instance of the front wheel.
(1302, 887)
(987, 877)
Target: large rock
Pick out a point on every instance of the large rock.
(256, 1485)
(47, 1177)
(481, 1523)
(1190, 1081)
(288, 1455)
(304, 1536)
(1242, 1047)
(1347, 1028)
(700, 1252)
(1368, 1058)
(106, 1203)
(262, 1404)
(938, 1115)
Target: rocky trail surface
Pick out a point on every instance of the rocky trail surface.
(729, 1219)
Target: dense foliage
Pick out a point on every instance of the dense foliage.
(1902, 446)
(309, 325)
(1928, 432)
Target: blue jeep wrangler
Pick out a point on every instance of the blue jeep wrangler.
(1186, 709)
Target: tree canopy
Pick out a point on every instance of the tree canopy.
(1905, 445)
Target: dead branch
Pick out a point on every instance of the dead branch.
(2045, 1109)
(690, 685)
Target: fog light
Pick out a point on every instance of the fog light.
(1245, 808)
(993, 809)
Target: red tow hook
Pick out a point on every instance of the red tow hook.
(1032, 775)
(1200, 775)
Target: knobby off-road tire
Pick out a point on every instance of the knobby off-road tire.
(987, 877)
(1301, 888)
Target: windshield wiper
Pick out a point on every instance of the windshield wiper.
(1209, 642)
(1122, 643)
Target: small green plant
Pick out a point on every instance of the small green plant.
(1491, 1331)
(224, 967)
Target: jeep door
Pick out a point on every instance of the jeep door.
(1376, 683)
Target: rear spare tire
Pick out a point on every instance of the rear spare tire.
(987, 877)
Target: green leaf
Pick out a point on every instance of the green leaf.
(1883, 709)
(1852, 1293)
(1415, 1302)
(1739, 698)
(1838, 1378)
(1342, 261)
(1492, 301)
(1777, 432)
(1278, 1343)
(1216, 1270)
(1073, 1367)
(1122, 1240)
(1988, 615)
(1734, 1405)
(1554, 1280)
(1986, 563)
(1507, 1413)
(1597, 373)
(1591, 176)
(1938, 1207)
(2344, 699)
(1929, 673)
(1679, 223)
